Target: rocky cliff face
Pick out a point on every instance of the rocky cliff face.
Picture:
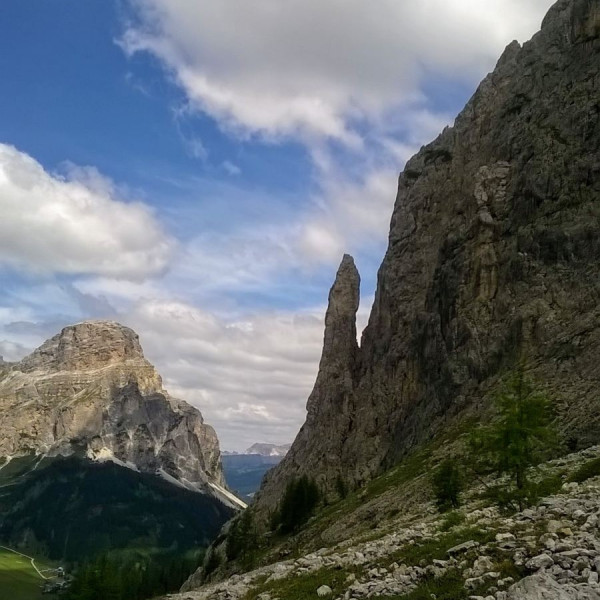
(493, 258)
(89, 390)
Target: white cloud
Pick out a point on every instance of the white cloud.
(342, 216)
(249, 377)
(307, 69)
(313, 68)
(74, 223)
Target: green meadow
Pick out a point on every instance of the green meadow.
(18, 579)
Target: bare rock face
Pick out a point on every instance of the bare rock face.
(329, 410)
(90, 390)
(493, 258)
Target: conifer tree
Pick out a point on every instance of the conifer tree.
(521, 437)
(447, 485)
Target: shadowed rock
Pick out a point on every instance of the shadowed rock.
(493, 259)
(316, 451)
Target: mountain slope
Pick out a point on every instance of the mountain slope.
(69, 508)
(493, 259)
(550, 551)
(93, 451)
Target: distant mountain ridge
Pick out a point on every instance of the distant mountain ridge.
(244, 472)
(262, 449)
(269, 449)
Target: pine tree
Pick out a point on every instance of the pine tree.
(520, 439)
(447, 485)
(298, 504)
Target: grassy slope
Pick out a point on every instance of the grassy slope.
(452, 530)
(369, 511)
(18, 579)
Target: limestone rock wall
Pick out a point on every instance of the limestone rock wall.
(90, 390)
(493, 258)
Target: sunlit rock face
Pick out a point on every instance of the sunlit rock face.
(493, 260)
(89, 390)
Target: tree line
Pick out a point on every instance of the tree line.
(114, 577)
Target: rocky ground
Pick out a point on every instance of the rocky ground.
(549, 551)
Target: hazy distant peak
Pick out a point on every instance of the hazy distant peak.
(268, 449)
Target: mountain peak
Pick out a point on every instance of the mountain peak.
(86, 345)
(266, 449)
(89, 391)
(492, 260)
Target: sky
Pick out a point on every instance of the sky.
(195, 169)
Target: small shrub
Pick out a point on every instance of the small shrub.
(548, 486)
(393, 512)
(242, 538)
(522, 437)
(213, 560)
(586, 471)
(572, 443)
(341, 487)
(447, 485)
(453, 519)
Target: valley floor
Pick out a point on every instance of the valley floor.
(551, 551)
(19, 576)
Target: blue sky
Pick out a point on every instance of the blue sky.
(196, 170)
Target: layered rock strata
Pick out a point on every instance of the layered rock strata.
(90, 391)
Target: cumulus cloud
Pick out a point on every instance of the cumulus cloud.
(313, 68)
(249, 377)
(74, 223)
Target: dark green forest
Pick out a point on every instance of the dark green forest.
(132, 576)
(72, 510)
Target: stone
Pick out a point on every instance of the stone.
(538, 587)
(542, 561)
(483, 564)
(554, 526)
(464, 547)
(324, 591)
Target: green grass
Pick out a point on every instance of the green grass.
(437, 548)
(451, 520)
(303, 587)
(18, 579)
(448, 587)
(586, 471)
